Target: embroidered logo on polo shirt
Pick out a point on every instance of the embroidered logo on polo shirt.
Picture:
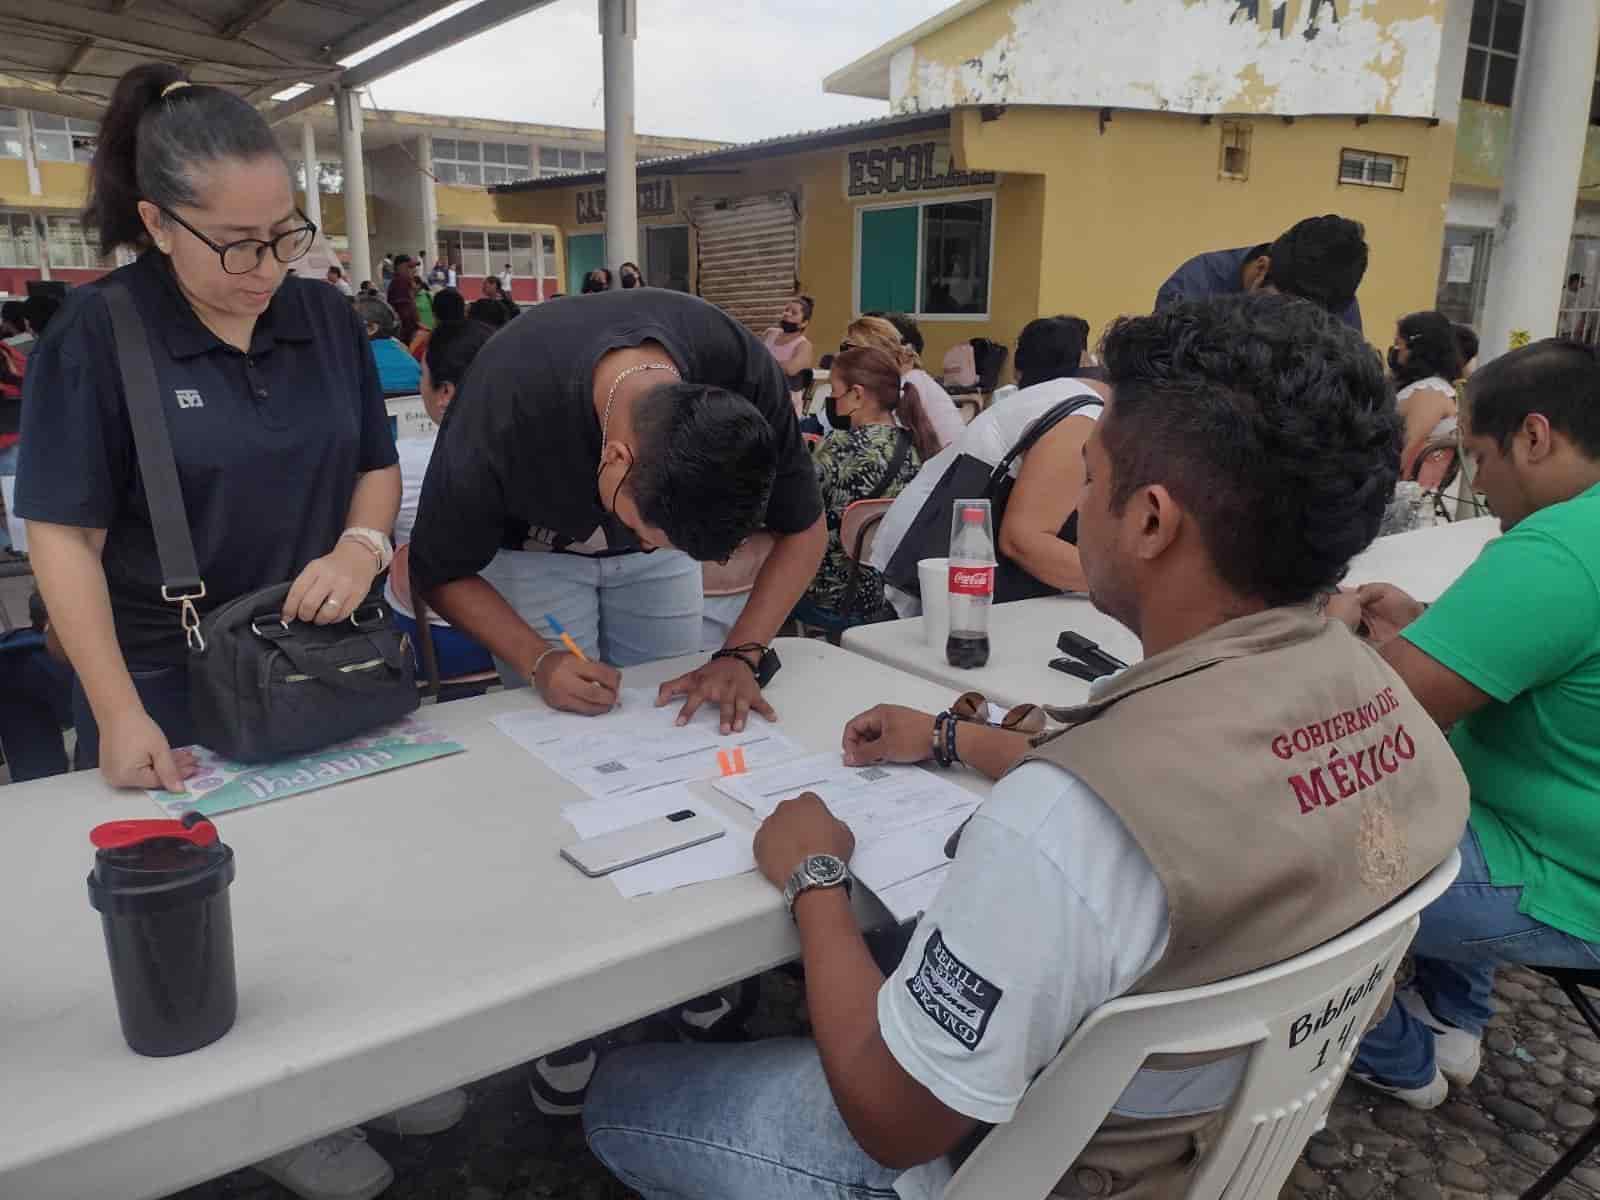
(959, 1000)
(188, 398)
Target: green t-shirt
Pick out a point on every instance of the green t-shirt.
(1523, 625)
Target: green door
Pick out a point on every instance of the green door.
(585, 253)
(888, 260)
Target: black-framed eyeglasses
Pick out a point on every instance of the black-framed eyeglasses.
(244, 256)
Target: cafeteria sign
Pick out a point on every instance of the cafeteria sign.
(655, 200)
(912, 167)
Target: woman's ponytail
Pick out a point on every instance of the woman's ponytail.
(913, 417)
(113, 205)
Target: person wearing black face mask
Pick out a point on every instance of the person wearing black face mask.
(789, 345)
(867, 456)
(632, 277)
(1424, 362)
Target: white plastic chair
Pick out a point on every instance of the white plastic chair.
(1286, 1088)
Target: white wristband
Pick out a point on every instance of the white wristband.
(373, 539)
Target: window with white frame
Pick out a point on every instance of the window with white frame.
(555, 161)
(10, 133)
(1367, 168)
(483, 252)
(70, 244)
(19, 245)
(330, 177)
(457, 160)
(63, 139)
(928, 259)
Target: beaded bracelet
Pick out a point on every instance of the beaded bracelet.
(940, 723)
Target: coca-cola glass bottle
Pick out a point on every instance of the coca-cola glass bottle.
(972, 566)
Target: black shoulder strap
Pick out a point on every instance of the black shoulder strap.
(1034, 432)
(902, 448)
(180, 573)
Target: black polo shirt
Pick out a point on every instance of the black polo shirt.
(514, 465)
(268, 444)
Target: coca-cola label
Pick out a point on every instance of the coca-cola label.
(971, 581)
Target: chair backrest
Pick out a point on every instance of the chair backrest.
(858, 525)
(1299, 1021)
(991, 360)
(1435, 465)
(960, 367)
(738, 575)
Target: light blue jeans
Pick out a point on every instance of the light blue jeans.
(626, 610)
(727, 1122)
(1465, 934)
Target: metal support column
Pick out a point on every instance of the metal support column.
(618, 29)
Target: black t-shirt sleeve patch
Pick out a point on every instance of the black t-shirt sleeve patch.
(957, 998)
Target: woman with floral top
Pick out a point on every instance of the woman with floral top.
(866, 456)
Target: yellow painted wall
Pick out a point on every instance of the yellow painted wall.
(827, 240)
(1092, 223)
(1126, 207)
(13, 181)
(70, 180)
(333, 222)
(467, 206)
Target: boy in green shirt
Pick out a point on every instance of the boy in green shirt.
(1509, 657)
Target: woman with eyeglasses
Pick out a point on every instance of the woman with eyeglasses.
(284, 456)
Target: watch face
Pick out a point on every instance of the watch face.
(824, 868)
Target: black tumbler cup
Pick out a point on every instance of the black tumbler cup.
(161, 888)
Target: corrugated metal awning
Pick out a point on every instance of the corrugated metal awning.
(749, 255)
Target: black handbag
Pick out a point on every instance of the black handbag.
(970, 478)
(260, 688)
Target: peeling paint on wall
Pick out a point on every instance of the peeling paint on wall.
(1290, 57)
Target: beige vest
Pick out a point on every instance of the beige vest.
(1285, 785)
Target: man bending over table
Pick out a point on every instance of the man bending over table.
(1508, 659)
(1193, 823)
(588, 433)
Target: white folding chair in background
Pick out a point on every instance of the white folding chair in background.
(1294, 1068)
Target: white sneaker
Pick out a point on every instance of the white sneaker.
(1458, 1053)
(433, 1115)
(1429, 1095)
(340, 1166)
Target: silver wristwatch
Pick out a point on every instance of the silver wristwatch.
(817, 871)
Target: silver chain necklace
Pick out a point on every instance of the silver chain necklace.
(611, 395)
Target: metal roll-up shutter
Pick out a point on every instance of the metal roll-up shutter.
(749, 255)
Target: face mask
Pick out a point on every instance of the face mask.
(831, 417)
(789, 326)
(1395, 365)
(630, 281)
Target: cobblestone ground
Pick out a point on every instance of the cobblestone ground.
(1537, 1091)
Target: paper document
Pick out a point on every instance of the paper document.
(638, 746)
(729, 855)
(873, 801)
(220, 785)
(901, 816)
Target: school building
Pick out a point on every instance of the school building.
(427, 181)
(1054, 157)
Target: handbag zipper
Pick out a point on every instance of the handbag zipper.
(369, 665)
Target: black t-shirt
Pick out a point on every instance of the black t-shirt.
(268, 444)
(514, 465)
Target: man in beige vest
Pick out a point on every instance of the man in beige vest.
(1260, 783)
